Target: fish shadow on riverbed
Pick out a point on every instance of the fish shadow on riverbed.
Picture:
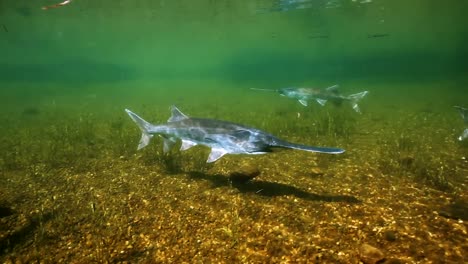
(269, 189)
(24, 234)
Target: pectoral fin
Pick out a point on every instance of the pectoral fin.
(215, 154)
(186, 144)
(463, 112)
(356, 108)
(168, 143)
(464, 135)
(322, 102)
(144, 140)
(303, 102)
(333, 89)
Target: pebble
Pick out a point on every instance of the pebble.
(390, 235)
(245, 173)
(370, 255)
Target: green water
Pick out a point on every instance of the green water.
(73, 187)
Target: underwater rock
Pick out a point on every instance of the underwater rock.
(406, 162)
(5, 211)
(390, 235)
(394, 261)
(244, 174)
(370, 255)
(456, 210)
(316, 172)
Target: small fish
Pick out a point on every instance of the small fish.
(24, 11)
(318, 37)
(221, 136)
(378, 35)
(464, 114)
(5, 28)
(290, 5)
(66, 2)
(286, 5)
(320, 95)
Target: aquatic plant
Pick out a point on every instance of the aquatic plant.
(412, 153)
(336, 124)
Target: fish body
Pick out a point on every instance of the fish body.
(290, 5)
(464, 135)
(321, 96)
(221, 136)
(464, 114)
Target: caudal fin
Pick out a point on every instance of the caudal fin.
(463, 112)
(144, 127)
(355, 98)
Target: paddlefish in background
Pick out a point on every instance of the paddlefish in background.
(464, 113)
(221, 136)
(289, 5)
(321, 96)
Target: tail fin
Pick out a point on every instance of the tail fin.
(144, 127)
(355, 98)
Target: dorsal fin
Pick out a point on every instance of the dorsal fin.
(176, 115)
(333, 89)
(463, 112)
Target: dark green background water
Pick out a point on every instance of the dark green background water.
(89, 42)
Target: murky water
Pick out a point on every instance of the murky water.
(73, 187)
